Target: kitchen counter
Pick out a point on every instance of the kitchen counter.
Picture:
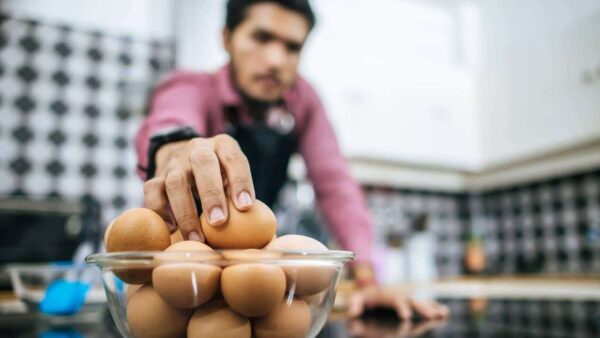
(477, 317)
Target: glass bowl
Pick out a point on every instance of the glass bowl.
(225, 293)
(30, 282)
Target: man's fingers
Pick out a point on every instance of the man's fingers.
(425, 309)
(237, 170)
(403, 308)
(155, 198)
(442, 311)
(357, 304)
(207, 174)
(182, 205)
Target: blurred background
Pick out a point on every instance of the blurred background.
(472, 126)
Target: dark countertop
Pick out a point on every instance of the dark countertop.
(470, 318)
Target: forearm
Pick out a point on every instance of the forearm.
(176, 103)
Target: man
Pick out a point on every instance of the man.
(232, 133)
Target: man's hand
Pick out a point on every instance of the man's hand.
(209, 168)
(376, 296)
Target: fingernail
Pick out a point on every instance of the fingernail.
(244, 199)
(195, 236)
(216, 214)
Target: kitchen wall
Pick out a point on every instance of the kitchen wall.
(72, 99)
(549, 226)
(140, 19)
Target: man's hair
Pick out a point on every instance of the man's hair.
(236, 10)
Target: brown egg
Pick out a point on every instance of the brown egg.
(183, 282)
(184, 251)
(304, 280)
(137, 230)
(287, 320)
(130, 289)
(107, 231)
(149, 316)
(250, 255)
(176, 237)
(217, 320)
(253, 289)
(251, 229)
(316, 299)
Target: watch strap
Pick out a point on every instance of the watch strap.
(160, 139)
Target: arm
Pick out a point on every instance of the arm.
(175, 103)
(344, 207)
(338, 196)
(191, 167)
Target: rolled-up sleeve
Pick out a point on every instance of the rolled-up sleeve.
(177, 102)
(339, 197)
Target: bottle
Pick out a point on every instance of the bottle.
(393, 271)
(475, 260)
(421, 252)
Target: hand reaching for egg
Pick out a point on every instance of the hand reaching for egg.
(213, 169)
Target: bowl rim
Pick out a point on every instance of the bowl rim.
(148, 257)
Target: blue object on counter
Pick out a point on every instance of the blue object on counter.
(64, 297)
(61, 333)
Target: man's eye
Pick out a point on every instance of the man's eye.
(262, 37)
(293, 48)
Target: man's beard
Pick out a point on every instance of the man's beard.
(250, 100)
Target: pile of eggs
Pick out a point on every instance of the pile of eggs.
(243, 296)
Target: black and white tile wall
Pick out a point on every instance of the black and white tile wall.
(71, 102)
(550, 226)
(394, 211)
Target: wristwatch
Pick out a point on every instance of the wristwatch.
(160, 139)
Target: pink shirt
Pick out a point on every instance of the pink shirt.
(198, 100)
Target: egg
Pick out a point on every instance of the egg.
(217, 320)
(149, 316)
(250, 255)
(290, 319)
(316, 299)
(137, 229)
(252, 229)
(130, 289)
(185, 284)
(187, 251)
(253, 289)
(304, 280)
(107, 231)
(176, 237)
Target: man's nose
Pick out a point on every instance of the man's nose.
(276, 55)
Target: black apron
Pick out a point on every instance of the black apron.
(268, 151)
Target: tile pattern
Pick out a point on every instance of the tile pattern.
(550, 226)
(71, 102)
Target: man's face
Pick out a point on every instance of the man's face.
(265, 50)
